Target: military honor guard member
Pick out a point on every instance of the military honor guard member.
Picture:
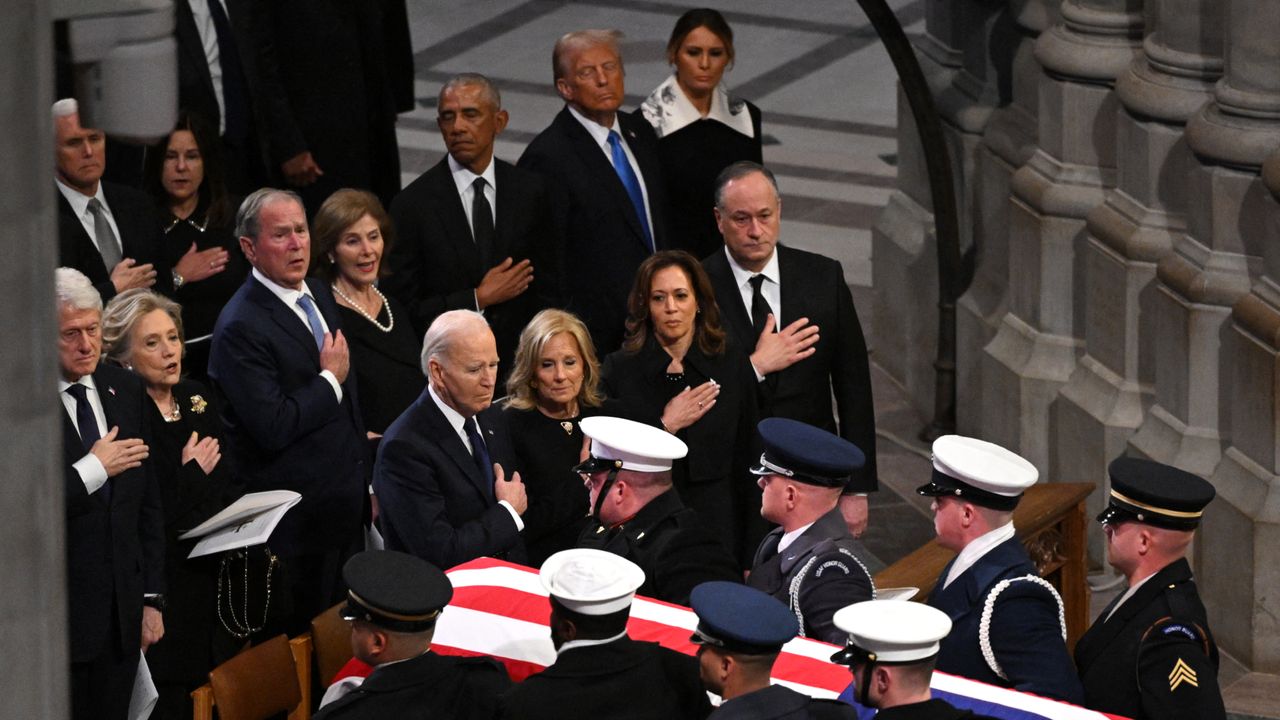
(636, 513)
(393, 602)
(740, 633)
(891, 651)
(599, 672)
(810, 561)
(1150, 654)
(1008, 627)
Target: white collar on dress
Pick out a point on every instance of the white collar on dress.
(668, 110)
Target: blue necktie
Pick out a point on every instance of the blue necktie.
(87, 423)
(313, 318)
(632, 184)
(480, 454)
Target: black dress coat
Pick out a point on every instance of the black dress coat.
(779, 702)
(387, 365)
(829, 561)
(284, 425)
(1129, 664)
(432, 499)
(714, 478)
(140, 239)
(435, 266)
(603, 238)
(813, 286)
(935, 709)
(115, 550)
(671, 543)
(1025, 632)
(425, 687)
(624, 680)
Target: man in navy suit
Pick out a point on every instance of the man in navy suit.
(793, 312)
(280, 363)
(445, 484)
(115, 524)
(474, 232)
(607, 191)
(1007, 622)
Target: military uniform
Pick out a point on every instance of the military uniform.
(778, 702)
(933, 709)
(819, 573)
(428, 686)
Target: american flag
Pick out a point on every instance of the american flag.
(501, 610)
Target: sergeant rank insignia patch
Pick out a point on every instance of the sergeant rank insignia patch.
(1182, 673)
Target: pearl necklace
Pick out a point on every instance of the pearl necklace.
(391, 319)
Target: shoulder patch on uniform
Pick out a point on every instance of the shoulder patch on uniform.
(1182, 673)
(1181, 630)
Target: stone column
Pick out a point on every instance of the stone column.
(33, 610)
(1008, 141)
(960, 57)
(1209, 269)
(1034, 351)
(1105, 400)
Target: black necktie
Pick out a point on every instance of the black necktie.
(88, 425)
(233, 86)
(482, 223)
(480, 454)
(759, 306)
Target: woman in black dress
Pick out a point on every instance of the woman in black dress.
(142, 331)
(351, 234)
(184, 175)
(701, 127)
(554, 383)
(678, 371)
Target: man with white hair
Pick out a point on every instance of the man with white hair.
(599, 672)
(114, 524)
(446, 488)
(1008, 627)
(109, 232)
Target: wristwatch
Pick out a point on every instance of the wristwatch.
(178, 280)
(158, 602)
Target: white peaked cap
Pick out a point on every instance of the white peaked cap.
(639, 447)
(591, 582)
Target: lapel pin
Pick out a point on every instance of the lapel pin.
(111, 390)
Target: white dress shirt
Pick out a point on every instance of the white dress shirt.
(289, 297)
(80, 206)
(92, 473)
(457, 421)
(788, 538)
(974, 551)
(1128, 594)
(771, 289)
(600, 134)
(465, 180)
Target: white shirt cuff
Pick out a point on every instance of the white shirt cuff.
(514, 515)
(759, 375)
(333, 380)
(92, 472)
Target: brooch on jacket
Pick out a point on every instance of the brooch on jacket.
(198, 404)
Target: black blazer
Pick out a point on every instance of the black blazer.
(432, 500)
(604, 242)
(435, 266)
(115, 554)
(141, 238)
(813, 286)
(284, 425)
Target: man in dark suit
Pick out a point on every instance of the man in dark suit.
(280, 363)
(1007, 626)
(599, 672)
(115, 524)
(607, 191)
(440, 481)
(109, 232)
(1151, 654)
(759, 286)
(472, 232)
(636, 513)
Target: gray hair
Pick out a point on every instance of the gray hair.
(124, 311)
(489, 90)
(739, 170)
(74, 290)
(444, 330)
(575, 42)
(249, 215)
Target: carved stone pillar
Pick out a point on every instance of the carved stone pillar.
(1008, 141)
(1105, 400)
(1035, 348)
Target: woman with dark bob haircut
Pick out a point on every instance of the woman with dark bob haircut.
(701, 127)
(678, 371)
(351, 234)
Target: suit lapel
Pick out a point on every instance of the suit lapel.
(504, 213)
(189, 39)
(84, 247)
(1101, 634)
(795, 303)
(730, 299)
(446, 438)
(284, 318)
(593, 158)
(452, 218)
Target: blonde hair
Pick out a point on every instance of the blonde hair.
(535, 336)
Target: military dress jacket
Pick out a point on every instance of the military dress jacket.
(933, 709)
(428, 686)
(778, 702)
(1154, 657)
(819, 573)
